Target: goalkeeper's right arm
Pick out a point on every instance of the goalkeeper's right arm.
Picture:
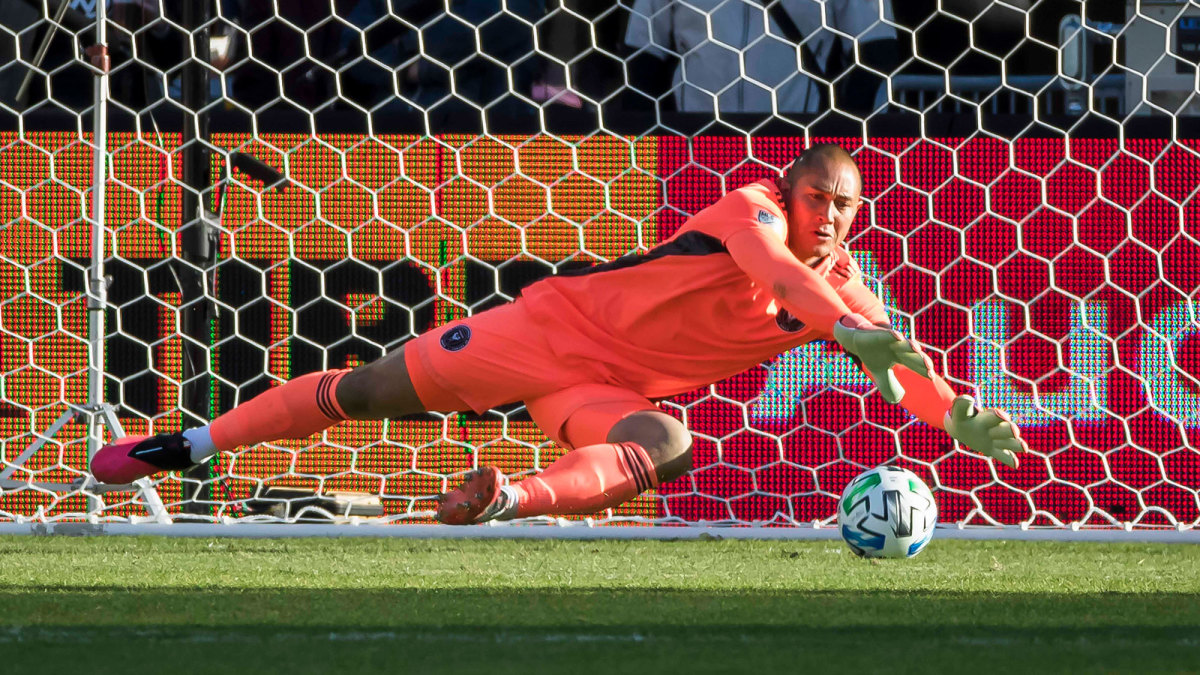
(810, 298)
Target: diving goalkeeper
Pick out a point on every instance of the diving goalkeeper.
(757, 273)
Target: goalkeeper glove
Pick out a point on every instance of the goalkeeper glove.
(986, 431)
(878, 350)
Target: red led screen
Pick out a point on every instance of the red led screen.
(1071, 265)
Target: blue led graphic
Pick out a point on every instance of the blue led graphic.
(1085, 351)
(1170, 391)
(1086, 395)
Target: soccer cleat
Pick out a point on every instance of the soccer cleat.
(478, 499)
(133, 457)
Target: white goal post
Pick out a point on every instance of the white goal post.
(278, 188)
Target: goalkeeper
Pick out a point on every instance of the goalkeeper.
(757, 273)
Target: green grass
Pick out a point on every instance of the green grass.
(331, 606)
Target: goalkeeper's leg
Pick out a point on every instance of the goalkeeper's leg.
(491, 358)
(297, 409)
(624, 446)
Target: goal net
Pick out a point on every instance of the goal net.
(292, 187)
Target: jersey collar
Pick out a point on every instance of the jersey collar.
(773, 190)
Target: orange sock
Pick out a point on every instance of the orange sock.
(587, 480)
(298, 408)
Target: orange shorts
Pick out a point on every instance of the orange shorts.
(502, 356)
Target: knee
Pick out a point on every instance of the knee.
(665, 439)
(676, 445)
(675, 456)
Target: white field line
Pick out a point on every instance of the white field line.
(183, 634)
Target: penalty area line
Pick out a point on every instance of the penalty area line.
(184, 635)
(87, 635)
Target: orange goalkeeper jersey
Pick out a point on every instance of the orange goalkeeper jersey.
(684, 314)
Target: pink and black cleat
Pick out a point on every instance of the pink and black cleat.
(132, 457)
(477, 500)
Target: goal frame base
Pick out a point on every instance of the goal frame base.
(573, 532)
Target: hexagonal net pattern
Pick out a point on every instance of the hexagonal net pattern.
(1030, 217)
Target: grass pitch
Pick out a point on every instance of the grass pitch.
(122, 605)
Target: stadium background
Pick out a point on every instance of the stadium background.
(1070, 258)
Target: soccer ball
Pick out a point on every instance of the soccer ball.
(887, 512)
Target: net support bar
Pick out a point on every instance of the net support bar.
(576, 532)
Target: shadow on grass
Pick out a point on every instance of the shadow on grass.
(579, 630)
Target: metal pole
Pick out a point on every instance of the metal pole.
(44, 47)
(97, 287)
(95, 411)
(199, 248)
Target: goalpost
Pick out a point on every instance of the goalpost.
(287, 190)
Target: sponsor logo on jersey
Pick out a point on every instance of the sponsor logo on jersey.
(767, 218)
(456, 338)
(787, 322)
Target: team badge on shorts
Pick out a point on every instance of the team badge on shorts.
(456, 338)
(766, 217)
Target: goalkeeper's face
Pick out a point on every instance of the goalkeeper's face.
(821, 201)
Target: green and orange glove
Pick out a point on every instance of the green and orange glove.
(878, 350)
(987, 431)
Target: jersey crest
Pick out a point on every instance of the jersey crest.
(456, 338)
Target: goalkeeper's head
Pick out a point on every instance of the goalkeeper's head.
(821, 191)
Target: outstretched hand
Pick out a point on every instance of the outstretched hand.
(879, 350)
(987, 431)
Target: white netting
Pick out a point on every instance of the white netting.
(1030, 171)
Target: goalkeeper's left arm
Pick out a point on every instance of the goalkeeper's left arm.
(988, 431)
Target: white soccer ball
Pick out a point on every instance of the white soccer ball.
(887, 512)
